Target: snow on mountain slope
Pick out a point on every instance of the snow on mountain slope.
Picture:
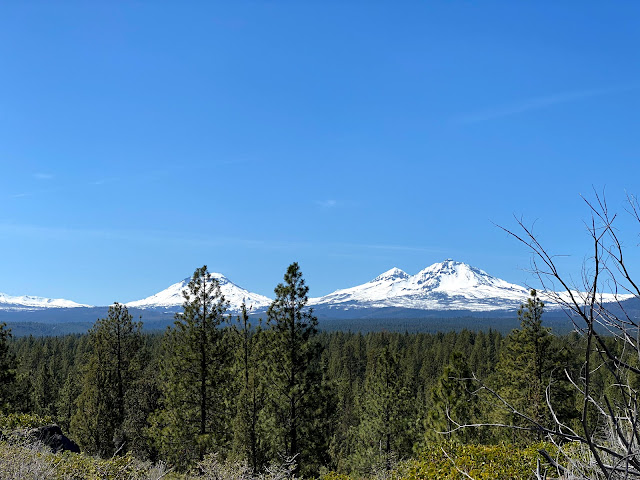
(449, 285)
(385, 286)
(582, 298)
(172, 299)
(28, 302)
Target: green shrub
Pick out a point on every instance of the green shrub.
(22, 421)
(335, 476)
(481, 462)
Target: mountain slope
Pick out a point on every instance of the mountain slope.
(448, 285)
(440, 289)
(28, 302)
(171, 298)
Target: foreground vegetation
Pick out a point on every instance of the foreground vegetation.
(279, 398)
(216, 397)
(21, 458)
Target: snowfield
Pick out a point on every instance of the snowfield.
(28, 302)
(448, 285)
(172, 298)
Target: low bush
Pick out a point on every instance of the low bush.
(22, 421)
(480, 462)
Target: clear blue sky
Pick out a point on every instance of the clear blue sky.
(140, 140)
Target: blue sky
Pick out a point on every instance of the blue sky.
(140, 140)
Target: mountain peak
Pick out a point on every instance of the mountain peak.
(452, 275)
(451, 267)
(448, 285)
(172, 298)
(392, 274)
(450, 264)
(30, 302)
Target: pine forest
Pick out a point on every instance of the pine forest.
(221, 396)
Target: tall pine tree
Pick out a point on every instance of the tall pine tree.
(7, 367)
(383, 434)
(194, 418)
(454, 403)
(296, 379)
(111, 371)
(248, 425)
(529, 362)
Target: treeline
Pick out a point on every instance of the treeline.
(281, 391)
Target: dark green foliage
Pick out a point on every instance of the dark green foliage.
(46, 375)
(455, 403)
(249, 423)
(194, 418)
(111, 371)
(384, 410)
(7, 366)
(65, 400)
(346, 362)
(341, 401)
(294, 373)
(529, 362)
(142, 399)
(345, 356)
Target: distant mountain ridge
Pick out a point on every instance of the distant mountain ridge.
(445, 287)
(448, 285)
(29, 302)
(171, 299)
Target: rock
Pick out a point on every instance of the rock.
(52, 437)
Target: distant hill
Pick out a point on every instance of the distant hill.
(445, 295)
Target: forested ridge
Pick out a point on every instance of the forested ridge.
(281, 392)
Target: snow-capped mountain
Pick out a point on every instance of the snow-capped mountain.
(444, 286)
(448, 285)
(28, 302)
(171, 299)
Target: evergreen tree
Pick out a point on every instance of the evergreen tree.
(43, 386)
(295, 376)
(385, 417)
(7, 367)
(528, 363)
(194, 416)
(248, 423)
(66, 401)
(454, 402)
(142, 400)
(109, 374)
(347, 366)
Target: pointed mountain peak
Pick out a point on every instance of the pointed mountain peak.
(447, 285)
(392, 274)
(452, 267)
(218, 276)
(172, 297)
(449, 263)
(222, 280)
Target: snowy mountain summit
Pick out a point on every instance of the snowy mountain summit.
(448, 285)
(171, 299)
(391, 275)
(445, 286)
(30, 302)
